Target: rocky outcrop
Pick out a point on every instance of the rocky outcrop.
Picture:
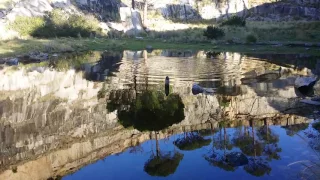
(254, 9)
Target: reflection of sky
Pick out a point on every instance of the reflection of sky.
(193, 166)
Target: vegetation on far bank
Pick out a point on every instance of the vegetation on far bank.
(61, 45)
(69, 33)
(236, 29)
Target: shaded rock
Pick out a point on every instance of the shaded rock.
(12, 62)
(149, 48)
(38, 69)
(196, 89)
(2, 14)
(38, 56)
(236, 159)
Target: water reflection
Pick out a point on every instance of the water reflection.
(162, 163)
(51, 118)
(149, 111)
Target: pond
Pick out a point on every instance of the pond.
(114, 115)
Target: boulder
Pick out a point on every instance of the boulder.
(131, 21)
(149, 48)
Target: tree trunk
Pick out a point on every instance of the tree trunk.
(133, 6)
(185, 13)
(145, 13)
(225, 140)
(157, 145)
(254, 142)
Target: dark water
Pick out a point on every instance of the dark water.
(109, 115)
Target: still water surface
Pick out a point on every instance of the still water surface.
(109, 115)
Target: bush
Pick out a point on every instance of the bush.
(25, 26)
(251, 39)
(213, 32)
(234, 21)
(57, 24)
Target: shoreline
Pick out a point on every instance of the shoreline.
(18, 48)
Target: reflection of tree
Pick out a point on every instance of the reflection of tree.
(222, 142)
(247, 142)
(152, 111)
(162, 164)
(270, 139)
(256, 166)
(215, 159)
(191, 141)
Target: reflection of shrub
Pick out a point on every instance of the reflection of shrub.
(257, 168)
(234, 21)
(294, 129)
(246, 145)
(14, 169)
(163, 165)
(212, 54)
(191, 142)
(27, 25)
(213, 32)
(152, 111)
(316, 126)
(251, 39)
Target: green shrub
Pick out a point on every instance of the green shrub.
(57, 24)
(234, 21)
(27, 25)
(251, 39)
(213, 32)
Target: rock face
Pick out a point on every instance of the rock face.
(254, 9)
(29, 8)
(105, 10)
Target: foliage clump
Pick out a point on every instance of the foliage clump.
(214, 32)
(163, 165)
(234, 21)
(57, 24)
(251, 39)
(25, 26)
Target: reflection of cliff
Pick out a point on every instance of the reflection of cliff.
(53, 121)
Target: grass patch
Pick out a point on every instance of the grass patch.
(234, 21)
